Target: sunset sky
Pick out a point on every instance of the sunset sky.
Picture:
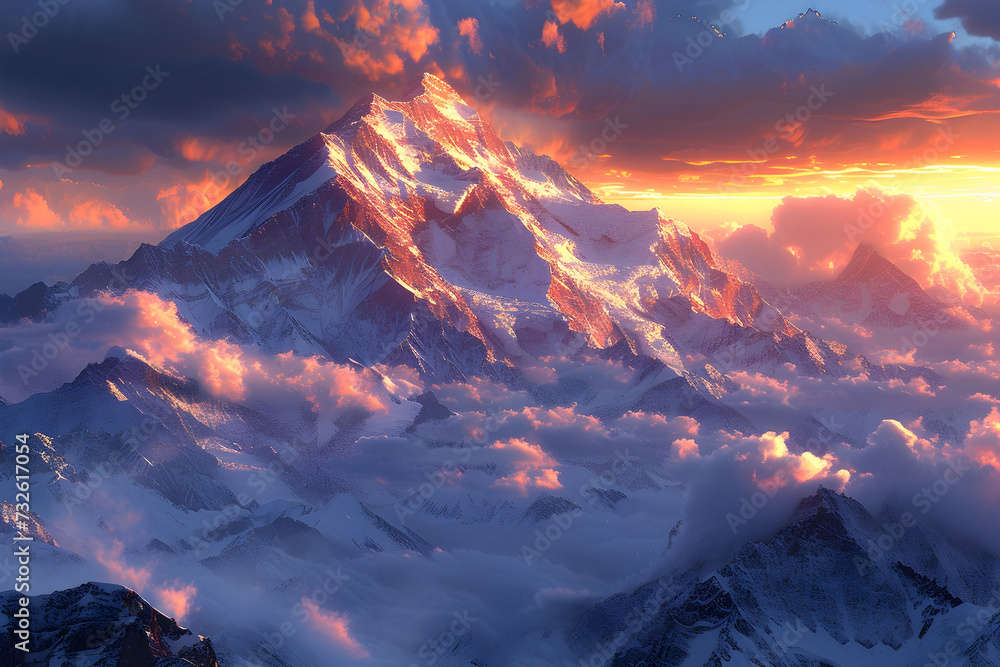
(711, 110)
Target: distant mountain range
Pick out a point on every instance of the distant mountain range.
(408, 234)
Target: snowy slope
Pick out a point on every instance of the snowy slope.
(408, 231)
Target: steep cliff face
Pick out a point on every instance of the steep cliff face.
(104, 625)
(408, 232)
(821, 591)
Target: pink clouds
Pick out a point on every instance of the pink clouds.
(899, 226)
(181, 203)
(562, 417)
(10, 124)
(33, 211)
(477, 393)
(583, 13)
(335, 627)
(657, 427)
(158, 334)
(772, 447)
(135, 578)
(469, 27)
(643, 15)
(99, 214)
(533, 467)
(387, 33)
(325, 383)
(684, 448)
(758, 388)
(176, 600)
(982, 443)
(310, 22)
(551, 37)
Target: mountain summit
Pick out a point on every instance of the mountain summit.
(484, 237)
(408, 232)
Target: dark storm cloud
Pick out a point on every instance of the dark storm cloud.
(75, 71)
(729, 94)
(979, 17)
(682, 88)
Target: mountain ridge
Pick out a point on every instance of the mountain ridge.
(413, 222)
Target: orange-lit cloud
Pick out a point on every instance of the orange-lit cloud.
(386, 32)
(583, 13)
(164, 340)
(156, 332)
(181, 203)
(469, 27)
(176, 600)
(31, 210)
(551, 37)
(334, 626)
(983, 441)
(326, 383)
(684, 448)
(99, 214)
(310, 22)
(200, 149)
(643, 14)
(533, 467)
(769, 456)
(10, 124)
(899, 226)
(120, 572)
(272, 44)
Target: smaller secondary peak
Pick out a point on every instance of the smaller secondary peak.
(866, 263)
(808, 16)
(116, 352)
(431, 86)
(824, 498)
(362, 108)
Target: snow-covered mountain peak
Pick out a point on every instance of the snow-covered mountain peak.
(824, 501)
(867, 266)
(105, 624)
(425, 208)
(432, 87)
(116, 352)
